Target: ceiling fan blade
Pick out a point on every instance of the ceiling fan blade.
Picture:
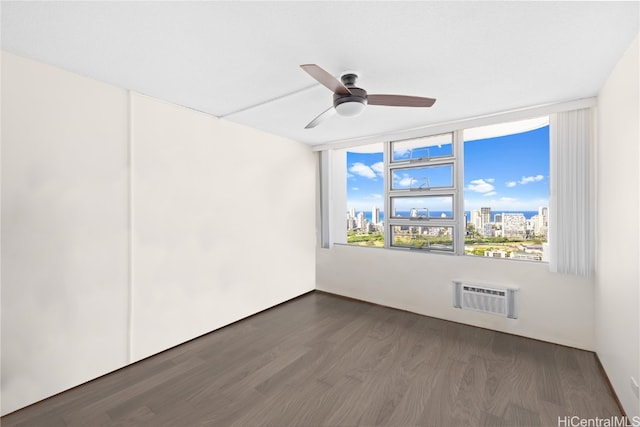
(322, 117)
(326, 79)
(400, 100)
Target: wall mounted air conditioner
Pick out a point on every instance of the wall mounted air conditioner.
(487, 299)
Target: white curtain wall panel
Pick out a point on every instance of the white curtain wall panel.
(571, 222)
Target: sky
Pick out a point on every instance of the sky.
(506, 173)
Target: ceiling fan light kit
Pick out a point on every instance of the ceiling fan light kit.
(350, 108)
(350, 101)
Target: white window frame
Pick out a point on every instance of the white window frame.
(455, 160)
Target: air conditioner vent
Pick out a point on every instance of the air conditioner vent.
(486, 299)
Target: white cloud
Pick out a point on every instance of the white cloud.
(350, 175)
(490, 180)
(511, 184)
(362, 170)
(376, 196)
(507, 199)
(355, 188)
(490, 193)
(401, 153)
(528, 179)
(481, 186)
(406, 182)
(378, 168)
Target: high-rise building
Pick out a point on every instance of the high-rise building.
(540, 222)
(476, 220)
(485, 216)
(352, 213)
(534, 224)
(513, 225)
(362, 222)
(375, 215)
(543, 213)
(487, 230)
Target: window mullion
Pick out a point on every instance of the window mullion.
(387, 176)
(423, 192)
(426, 162)
(458, 185)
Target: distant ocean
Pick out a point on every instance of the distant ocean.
(436, 214)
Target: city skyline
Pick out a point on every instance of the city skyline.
(509, 173)
(368, 213)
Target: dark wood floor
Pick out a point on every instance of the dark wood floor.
(322, 360)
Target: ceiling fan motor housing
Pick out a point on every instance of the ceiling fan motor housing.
(350, 104)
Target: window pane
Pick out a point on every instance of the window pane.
(423, 148)
(506, 191)
(422, 237)
(423, 178)
(365, 196)
(422, 207)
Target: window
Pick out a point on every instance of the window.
(416, 207)
(422, 237)
(479, 191)
(365, 196)
(419, 178)
(422, 193)
(427, 148)
(506, 190)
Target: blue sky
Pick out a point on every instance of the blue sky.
(364, 181)
(506, 173)
(509, 173)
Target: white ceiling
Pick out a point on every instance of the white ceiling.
(240, 60)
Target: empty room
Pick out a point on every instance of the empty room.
(385, 213)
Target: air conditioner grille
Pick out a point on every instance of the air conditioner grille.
(485, 299)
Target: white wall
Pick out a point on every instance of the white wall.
(222, 218)
(64, 230)
(553, 307)
(617, 298)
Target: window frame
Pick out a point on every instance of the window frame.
(455, 192)
(403, 167)
(427, 248)
(430, 196)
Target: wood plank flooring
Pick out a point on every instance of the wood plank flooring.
(322, 360)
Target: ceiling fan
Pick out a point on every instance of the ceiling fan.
(349, 100)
